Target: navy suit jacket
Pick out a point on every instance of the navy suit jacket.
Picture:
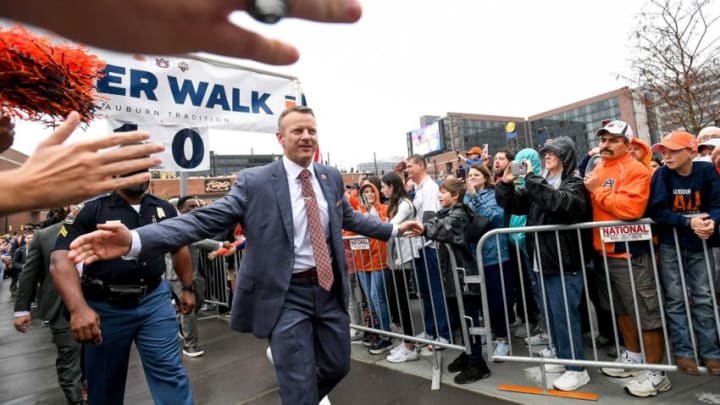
(260, 201)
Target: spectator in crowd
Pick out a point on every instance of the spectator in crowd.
(18, 260)
(685, 197)
(450, 226)
(117, 302)
(474, 156)
(538, 336)
(501, 161)
(35, 280)
(480, 197)
(620, 189)
(655, 163)
(400, 259)
(708, 140)
(555, 198)
(641, 152)
(371, 266)
(188, 322)
(428, 278)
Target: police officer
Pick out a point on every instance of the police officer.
(115, 302)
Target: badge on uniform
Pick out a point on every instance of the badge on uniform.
(160, 212)
(63, 231)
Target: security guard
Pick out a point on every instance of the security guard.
(115, 302)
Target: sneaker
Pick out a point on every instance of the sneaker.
(538, 340)
(397, 348)
(549, 353)
(648, 384)
(459, 364)
(402, 355)
(193, 351)
(612, 351)
(501, 349)
(381, 346)
(369, 340)
(571, 380)
(472, 373)
(428, 350)
(622, 372)
(521, 331)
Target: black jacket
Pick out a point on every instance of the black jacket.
(544, 205)
(449, 227)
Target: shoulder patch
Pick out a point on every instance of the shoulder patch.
(70, 218)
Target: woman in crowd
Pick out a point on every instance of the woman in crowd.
(480, 197)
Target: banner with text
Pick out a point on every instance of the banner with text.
(185, 91)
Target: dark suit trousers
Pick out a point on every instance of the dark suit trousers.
(69, 359)
(310, 342)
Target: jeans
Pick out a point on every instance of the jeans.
(432, 288)
(153, 327)
(561, 335)
(373, 283)
(496, 302)
(698, 285)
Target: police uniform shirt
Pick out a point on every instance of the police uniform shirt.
(112, 208)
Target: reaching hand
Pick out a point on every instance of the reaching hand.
(410, 228)
(110, 241)
(174, 26)
(58, 174)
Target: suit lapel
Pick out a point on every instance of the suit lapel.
(282, 191)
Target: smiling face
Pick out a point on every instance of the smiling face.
(446, 198)
(369, 195)
(298, 137)
(476, 178)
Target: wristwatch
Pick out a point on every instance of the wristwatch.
(189, 288)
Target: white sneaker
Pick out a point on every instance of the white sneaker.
(397, 348)
(622, 372)
(538, 340)
(648, 384)
(549, 353)
(428, 350)
(325, 401)
(571, 380)
(501, 348)
(402, 355)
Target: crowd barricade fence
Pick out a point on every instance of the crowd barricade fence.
(640, 234)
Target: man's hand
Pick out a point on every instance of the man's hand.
(23, 323)
(110, 241)
(85, 325)
(173, 27)
(57, 174)
(187, 302)
(703, 226)
(592, 182)
(410, 228)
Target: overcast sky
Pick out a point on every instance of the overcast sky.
(370, 82)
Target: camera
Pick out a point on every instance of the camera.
(518, 168)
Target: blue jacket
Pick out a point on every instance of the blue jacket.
(483, 203)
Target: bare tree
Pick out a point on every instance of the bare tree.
(677, 62)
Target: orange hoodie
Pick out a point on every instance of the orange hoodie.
(647, 157)
(623, 195)
(376, 258)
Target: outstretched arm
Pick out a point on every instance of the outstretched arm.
(173, 26)
(110, 241)
(57, 174)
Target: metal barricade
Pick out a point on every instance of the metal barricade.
(421, 321)
(629, 235)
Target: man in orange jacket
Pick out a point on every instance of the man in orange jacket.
(620, 190)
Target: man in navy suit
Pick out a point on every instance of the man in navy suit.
(282, 289)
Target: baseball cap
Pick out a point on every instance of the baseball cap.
(676, 141)
(711, 143)
(475, 150)
(617, 128)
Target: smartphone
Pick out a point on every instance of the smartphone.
(518, 168)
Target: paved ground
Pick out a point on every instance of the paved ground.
(234, 370)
